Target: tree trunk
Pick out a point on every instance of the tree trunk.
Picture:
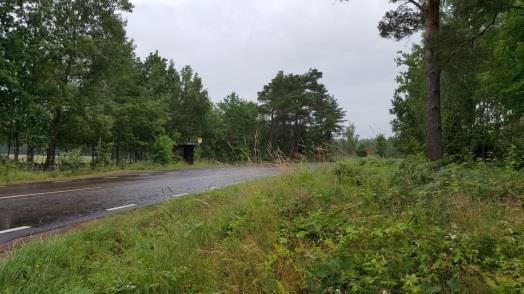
(9, 146)
(296, 152)
(17, 146)
(55, 131)
(93, 158)
(117, 154)
(50, 156)
(30, 154)
(271, 129)
(51, 149)
(96, 152)
(433, 79)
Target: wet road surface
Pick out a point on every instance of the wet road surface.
(35, 208)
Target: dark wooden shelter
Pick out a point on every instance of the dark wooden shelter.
(186, 151)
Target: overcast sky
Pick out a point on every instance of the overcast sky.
(240, 45)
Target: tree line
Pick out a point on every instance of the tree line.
(480, 58)
(462, 94)
(70, 79)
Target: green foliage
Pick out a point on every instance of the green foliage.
(362, 151)
(190, 107)
(72, 160)
(162, 150)
(91, 91)
(482, 62)
(70, 82)
(515, 157)
(300, 114)
(348, 143)
(240, 127)
(382, 145)
(105, 155)
(362, 226)
(408, 104)
(410, 227)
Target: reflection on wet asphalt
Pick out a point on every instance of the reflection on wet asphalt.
(34, 208)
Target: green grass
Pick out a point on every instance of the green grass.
(13, 175)
(40, 159)
(363, 226)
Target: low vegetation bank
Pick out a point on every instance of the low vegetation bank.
(358, 226)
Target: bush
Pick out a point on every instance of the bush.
(71, 160)
(413, 227)
(162, 151)
(362, 151)
(515, 157)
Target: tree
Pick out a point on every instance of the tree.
(410, 17)
(440, 45)
(240, 133)
(301, 115)
(9, 82)
(381, 145)
(162, 150)
(479, 49)
(350, 140)
(155, 76)
(191, 106)
(408, 103)
(70, 80)
(73, 30)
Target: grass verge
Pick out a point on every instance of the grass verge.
(359, 226)
(13, 175)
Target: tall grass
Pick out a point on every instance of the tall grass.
(359, 226)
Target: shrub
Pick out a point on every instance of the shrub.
(71, 160)
(362, 151)
(162, 151)
(515, 157)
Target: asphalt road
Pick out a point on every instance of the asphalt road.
(35, 208)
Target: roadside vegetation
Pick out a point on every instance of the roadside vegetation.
(11, 173)
(363, 226)
(77, 101)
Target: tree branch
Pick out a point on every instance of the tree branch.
(471, 41)
(418, 5)
(483, 31)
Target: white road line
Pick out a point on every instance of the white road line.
(212, 188)
(121, 207)
(14, 230)
(237, 183)
(67, 181)
(178, 195)
(2, 186)
(46, 193)
(111, 178)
